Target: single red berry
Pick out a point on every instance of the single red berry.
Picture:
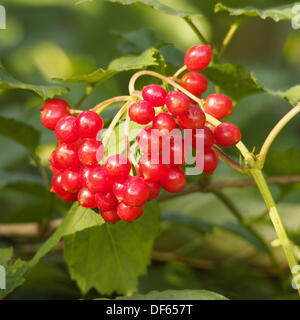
(164, 122)
(174, 180)
(211, 161)
(207, 136)
(118, 166)
(152, 169)
(136, 191)
(194, 82)
(87, 151)
(141, 112)
(177, 103)
(84, 172)
(99, 181)
(71, 180)
(65, 157)
(118, 188)
(154, 189)
(89, 124)
(149, 139)
(56, 187)
(193, 119)
(106, 201)
(86, 198)
(129, 213)
(66, 130)
(218, 105)
(52, 111)
(198, 57)
(227, 134)
(110, 216)
(154, 94)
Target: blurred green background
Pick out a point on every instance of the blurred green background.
(45, 39)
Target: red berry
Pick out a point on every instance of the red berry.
(154, 189)
(89, 124)
(66, 130)
(84, 172)
(211, 161)
(129, 213)
(110, 216)
(154, 94)
(149, 139)
(218, 105)
(87, 151)
(177, 152)
(194, 82)
(71, 181)
(207, 136)
(177, 102)
(175, 180)
(118, 188)
(227, 134)
(99, 181)
(141, 112)
(56, 187)
(86, 198)
(152, 169)
(118, 166)
(164, 122)
(106, 201)
(193, 119)
(52, 111)
(198, 57)
(65, 157)
(136, 191)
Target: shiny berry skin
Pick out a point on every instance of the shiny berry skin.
(227, 134)
(154, 189)
(84, 172)
(99, 181)
(218, 105)
(117, 166)
(164, 122)
(129, 213)
(154, 94)
(136, 192)
(110, 216)
(152, 170)
(211, 161)
(177, 103)
(89, 124)
(52, 111)
(149, 139)
(193, 119)
(198, 57)
(65, 157)
(178, 152)
(71, 180)
(174, 181)
(194, 82)
(207, 136)
(86, 198)
(66, 129)
(87, 151)
(106, 201)
(56, 188)
(141, 112)
(118, 188)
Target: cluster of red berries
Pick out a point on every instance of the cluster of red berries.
(110, 187)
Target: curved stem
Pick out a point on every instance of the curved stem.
(242, 148)
(276, 220)
(88, 90)
(104, 104)
(189, 21)
(274, 133)
(179, 71)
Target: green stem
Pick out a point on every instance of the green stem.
(88, 90)
(189, 21)
(104, 104)
(275, 218)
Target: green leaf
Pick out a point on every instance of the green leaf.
(20, 132)
(292, 95)
(14, 271)
(153, 4)
(126, 63)
(7, 82)
(77, 219)
(279, 13)
(110, 258)
(176, 295)
(235, 80)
